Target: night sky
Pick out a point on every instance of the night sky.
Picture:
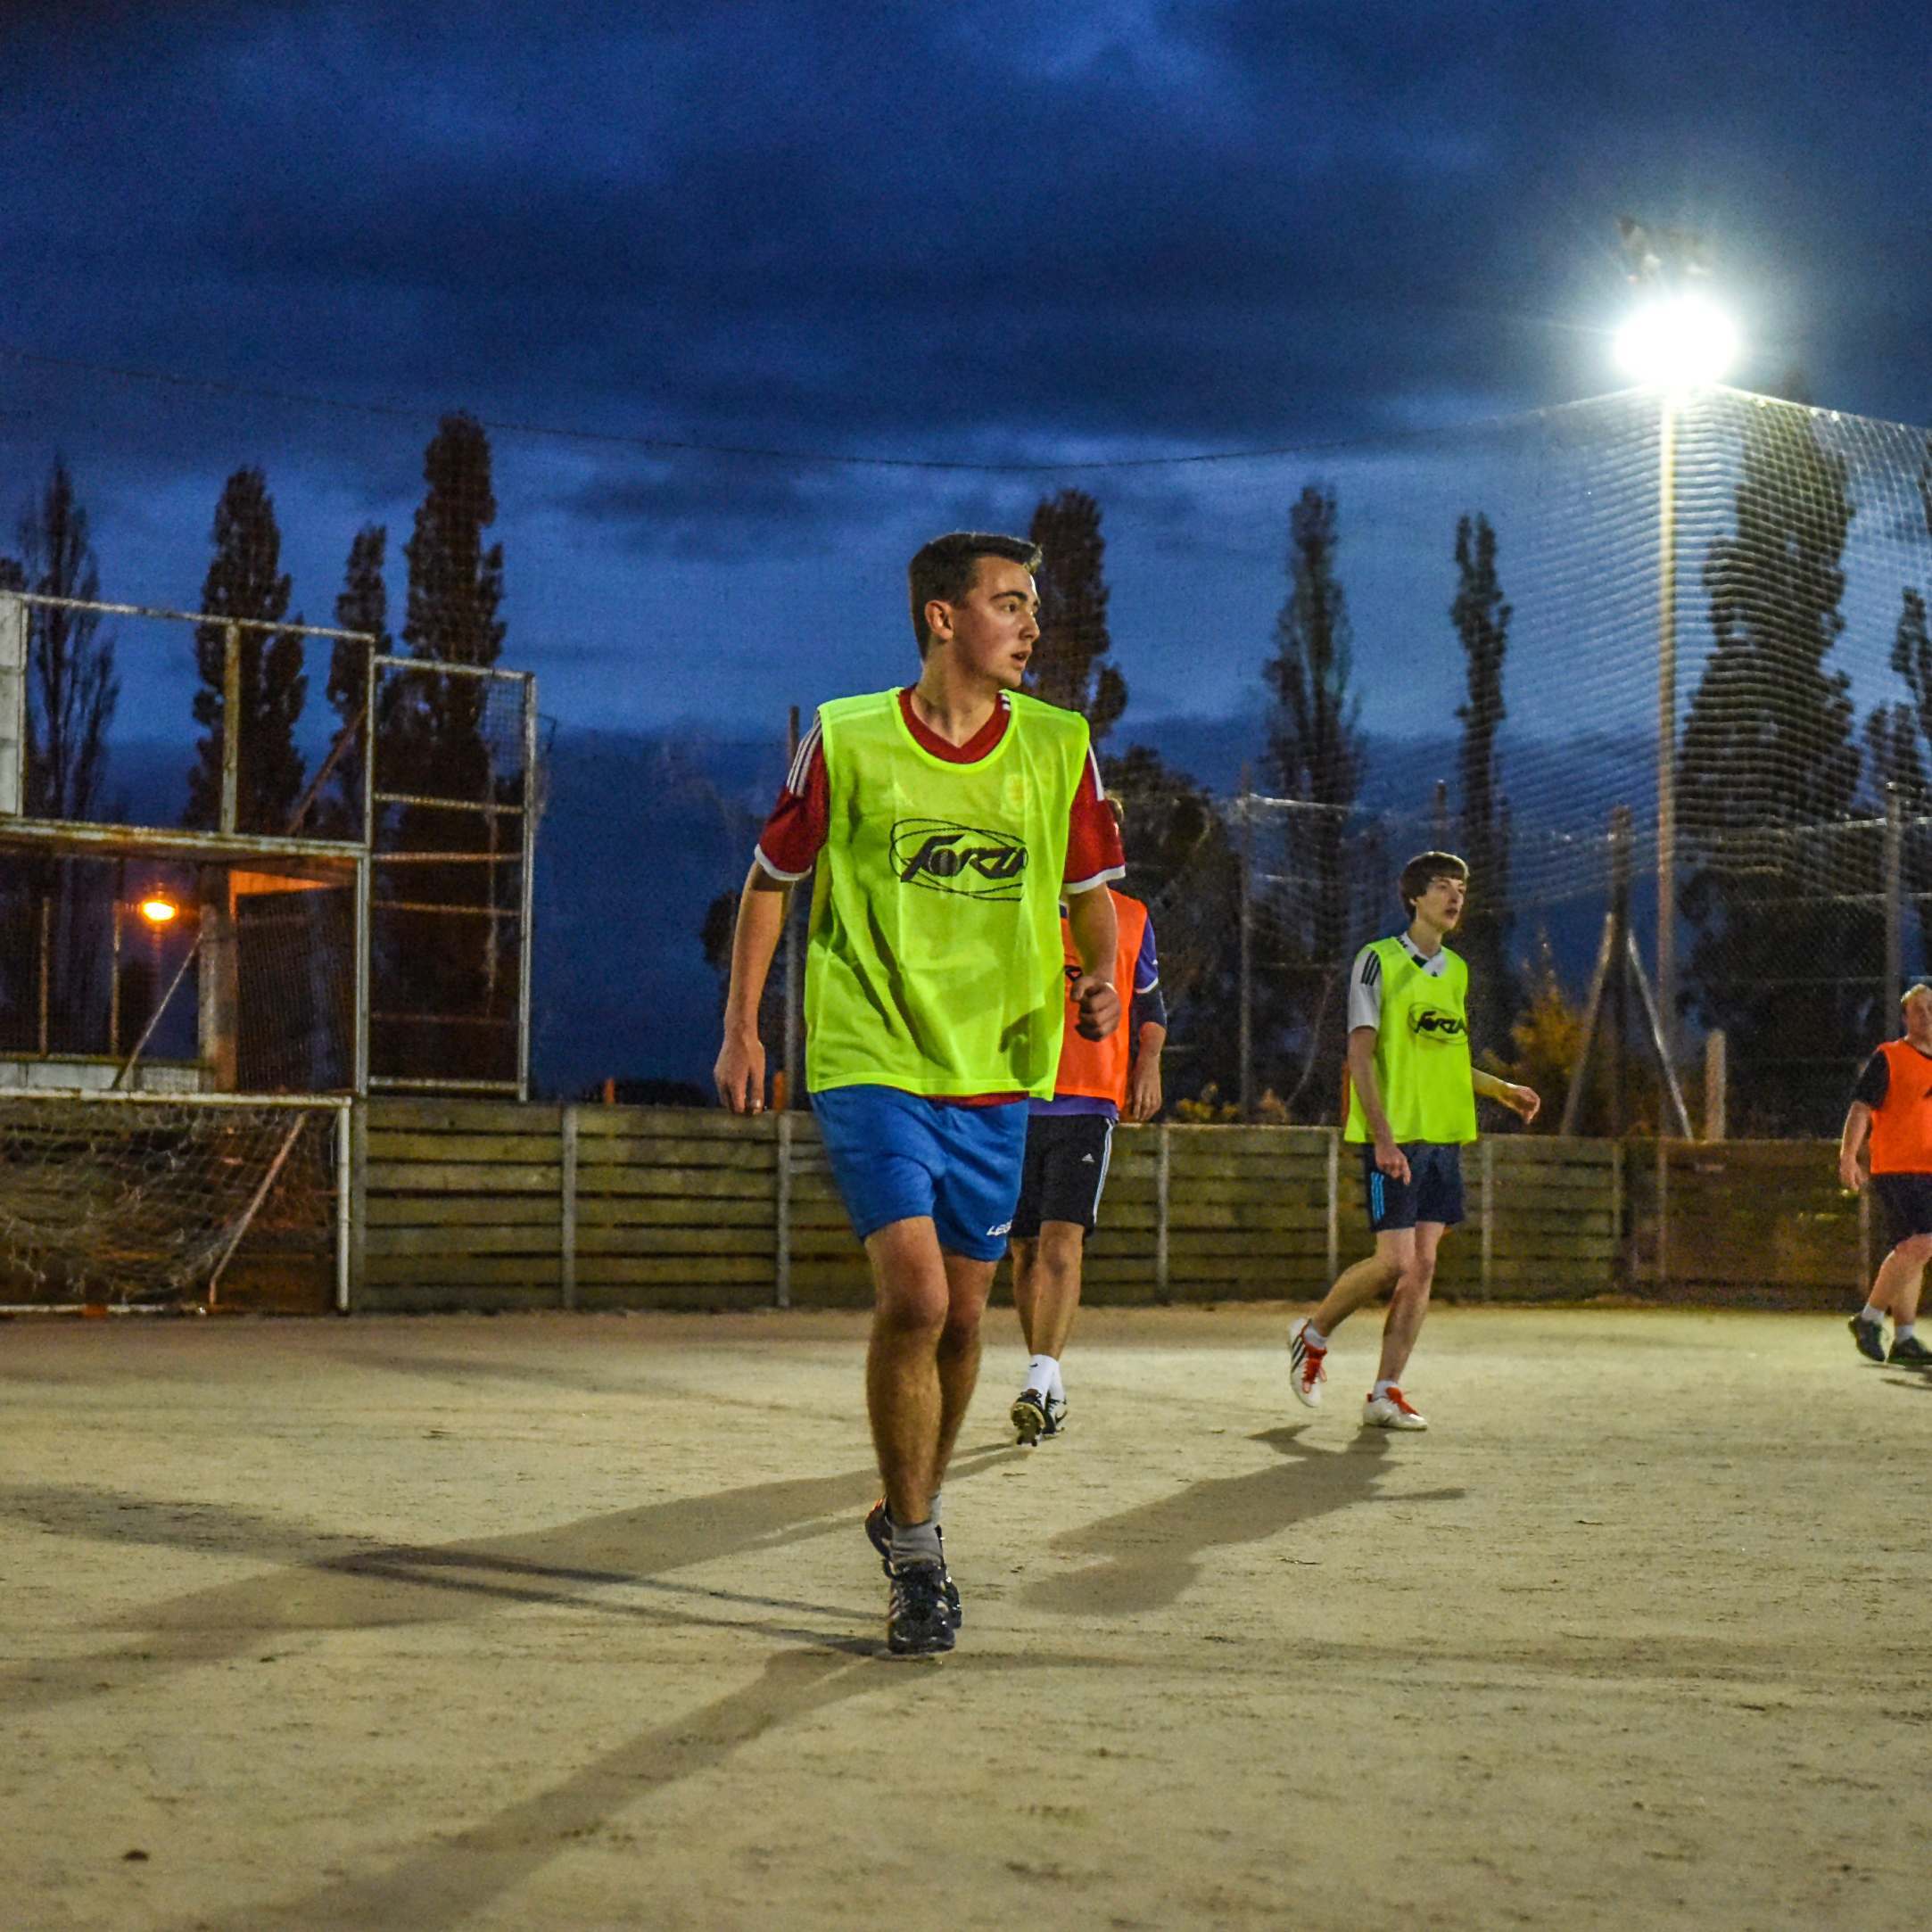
(971, 234)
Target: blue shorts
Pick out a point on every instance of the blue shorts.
(1433, 1192)
(896, 1155)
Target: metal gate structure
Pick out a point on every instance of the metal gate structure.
(450, 810)
(190, 1016)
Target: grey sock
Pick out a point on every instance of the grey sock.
(915, 1542)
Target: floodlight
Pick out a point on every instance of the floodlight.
(159, 910)
(1678, 342)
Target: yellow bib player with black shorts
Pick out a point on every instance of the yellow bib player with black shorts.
(1411, 1107)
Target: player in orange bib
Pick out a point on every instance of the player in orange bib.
(1893, 1104)
(1069, 1139)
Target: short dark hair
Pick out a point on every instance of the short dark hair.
(1415, 877)
(947, 568)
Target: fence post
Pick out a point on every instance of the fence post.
(1621, 1275)
(12, 705)
(1161, 1175)
(781, 1257)
(567, 1231)
(359, 1201)
(345, 1201)
(1716, 1085)
(1664, 1212)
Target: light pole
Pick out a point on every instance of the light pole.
(1676, 344)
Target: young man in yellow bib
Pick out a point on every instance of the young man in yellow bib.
(945, 822)
(1411, 1108)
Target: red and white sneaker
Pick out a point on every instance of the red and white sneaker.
(1392, 1411)
(1308, 1366)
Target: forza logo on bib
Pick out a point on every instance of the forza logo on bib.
(944, 857)
(1431, 1024)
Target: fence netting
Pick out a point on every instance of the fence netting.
(1704, 612)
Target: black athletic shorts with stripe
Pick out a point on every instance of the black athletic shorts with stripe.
(1906, 1199)
(1434, 1191)
(1065, 1169)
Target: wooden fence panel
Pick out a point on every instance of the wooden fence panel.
(1248, 1213)
(488, 1204)
(462, 1206)
(1752, 1220)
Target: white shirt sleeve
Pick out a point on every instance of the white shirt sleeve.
(1365, 989)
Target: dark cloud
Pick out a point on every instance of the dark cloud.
(985, 232)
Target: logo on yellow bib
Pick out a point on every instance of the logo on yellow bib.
(944, 857)
(1431, 1024)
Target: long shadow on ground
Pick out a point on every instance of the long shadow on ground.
(1151, 1554)
(320, 1586)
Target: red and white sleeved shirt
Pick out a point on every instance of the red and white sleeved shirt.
(793, 834)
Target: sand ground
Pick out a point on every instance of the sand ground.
(569, 1622)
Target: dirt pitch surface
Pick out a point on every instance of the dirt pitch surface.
(571, 1623)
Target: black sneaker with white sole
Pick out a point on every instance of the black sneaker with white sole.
(1869, 1336)
(878, 1528)
(1908, 1352)
(917, 1622)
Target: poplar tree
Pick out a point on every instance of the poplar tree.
(1895, 739)
(72, 687)
(1315, 756)
(72, 690)
(1066, 667)
(456, 583)
(455, 970)
(362, 604)
(245, 580)
(1482, 620)
(1782, 959)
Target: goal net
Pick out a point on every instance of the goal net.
(133, 1199)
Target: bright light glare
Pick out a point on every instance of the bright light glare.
(158, 910)
(1678, 343)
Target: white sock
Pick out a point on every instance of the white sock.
(1314, 1337)
(1043, 1373)
(935, 1517)
(1379, 1390)
(1903, 1331)
(1875, 1315)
